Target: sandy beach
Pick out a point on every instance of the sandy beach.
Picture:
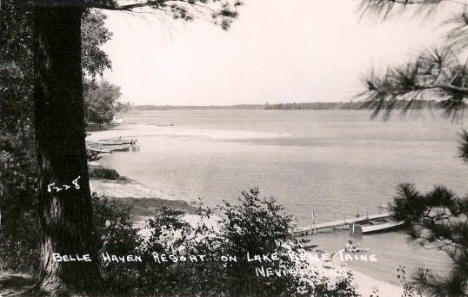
(366, 285)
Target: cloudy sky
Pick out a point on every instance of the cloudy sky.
(276, 51)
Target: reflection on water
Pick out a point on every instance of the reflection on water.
(335, 163)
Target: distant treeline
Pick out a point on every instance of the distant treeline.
(399, 104)
(169, 107)
(315, 105)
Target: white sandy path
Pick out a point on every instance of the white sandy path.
(128, 189)
(136, 131)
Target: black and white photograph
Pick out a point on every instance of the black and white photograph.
(233, 148)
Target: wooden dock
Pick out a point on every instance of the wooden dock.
(314, 228)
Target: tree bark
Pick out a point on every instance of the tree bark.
(65, 214)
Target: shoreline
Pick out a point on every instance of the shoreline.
(366, 285)
(142, 198)
(145, 200)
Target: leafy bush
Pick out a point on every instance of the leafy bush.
(106, 173)
(20, 252)
(19, 221)
(256, 226)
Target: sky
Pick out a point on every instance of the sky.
(276, 51)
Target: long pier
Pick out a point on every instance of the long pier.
(314, 228)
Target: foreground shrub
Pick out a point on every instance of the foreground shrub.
(106, 173)
(20, 251)
(254, 226)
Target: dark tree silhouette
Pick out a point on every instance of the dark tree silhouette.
(439, 218)
(65, 215)
(18, 174)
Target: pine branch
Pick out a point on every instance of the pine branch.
(463, 148)
(435, 74)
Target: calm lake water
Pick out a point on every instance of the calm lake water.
(335, 163)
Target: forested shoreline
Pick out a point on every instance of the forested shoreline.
(344, 105)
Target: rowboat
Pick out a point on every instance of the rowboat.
(116, 142)
(385, 226)
(98, 150)
(109, 148)
(119, 147)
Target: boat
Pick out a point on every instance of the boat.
(385, 226)
(116, 142)
(116, 121)
(119, 147)
(123, 142)
(98, 150)
(109, 148)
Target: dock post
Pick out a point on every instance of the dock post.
(313, 222)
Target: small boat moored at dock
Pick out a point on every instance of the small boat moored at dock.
(119, 147)
(360, 225)
(98, 150)
(375, 228)
(121, 142)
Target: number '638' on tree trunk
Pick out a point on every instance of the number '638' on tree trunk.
(66, 216)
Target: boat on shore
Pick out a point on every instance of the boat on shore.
(98, 150)
(96, 147)
(117, 142)
(119, 147)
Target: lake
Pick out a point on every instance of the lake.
(336, 163)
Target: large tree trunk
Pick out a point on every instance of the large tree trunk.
(66, 215)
